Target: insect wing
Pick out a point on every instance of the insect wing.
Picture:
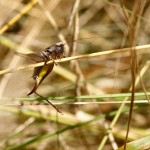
(46, 69)
(40, 73)
(31, 56)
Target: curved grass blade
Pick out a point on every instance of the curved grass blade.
(140, 144)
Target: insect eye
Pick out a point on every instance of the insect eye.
(60, 49)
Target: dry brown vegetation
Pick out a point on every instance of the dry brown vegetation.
(106, 66)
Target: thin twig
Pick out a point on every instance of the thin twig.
(73, 12)
(80, 103)
(133, 27)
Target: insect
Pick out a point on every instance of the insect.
(53, 52)
(40, 73)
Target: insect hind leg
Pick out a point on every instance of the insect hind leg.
(38, 94)
(49, 102)
(53, 106)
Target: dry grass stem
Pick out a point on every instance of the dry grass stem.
(137, 48)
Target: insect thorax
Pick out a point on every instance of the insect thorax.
(53, 52)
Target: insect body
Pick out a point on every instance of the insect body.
(53, 52)
(40, 73)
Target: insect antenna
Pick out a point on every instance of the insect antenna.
(81, 40)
